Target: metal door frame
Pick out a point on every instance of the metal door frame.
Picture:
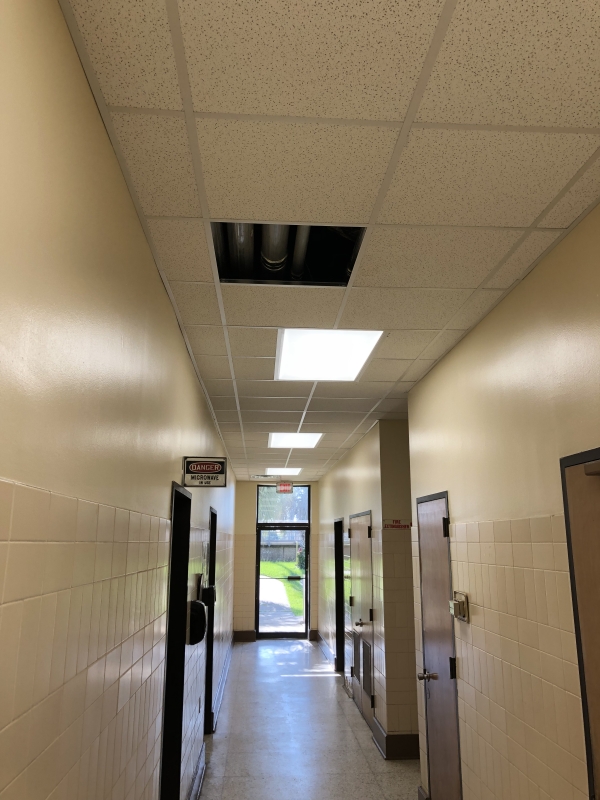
(350, 518)
(209, 711)
(427, 499)
(283, 526)
(170, 767)
(574, 461)
(340, 628)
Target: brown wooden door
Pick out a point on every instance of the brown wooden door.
(441, 707)
(581, 484)
(362, 614)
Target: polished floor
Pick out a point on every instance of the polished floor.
(288, 731)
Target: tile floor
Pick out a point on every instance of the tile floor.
(288, 731)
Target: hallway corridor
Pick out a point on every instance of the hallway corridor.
(288, 731)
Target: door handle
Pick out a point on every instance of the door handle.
(427, 676)
(359, 624)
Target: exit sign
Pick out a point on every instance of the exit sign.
(285, 487)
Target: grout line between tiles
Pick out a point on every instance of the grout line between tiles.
(190, 123)
(106, 119)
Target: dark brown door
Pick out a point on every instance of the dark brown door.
(362, 614)
(441, 707)
(581, 486)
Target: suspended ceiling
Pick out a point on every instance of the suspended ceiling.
(464, 135)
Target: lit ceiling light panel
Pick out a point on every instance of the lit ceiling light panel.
(294, 440)
(283, 471)
(319, 355)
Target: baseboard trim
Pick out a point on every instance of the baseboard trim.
(422, 794)
(313, 635)
(221, 688)
(244, 636)
(395, 746)
(198, 775)
(325, 649)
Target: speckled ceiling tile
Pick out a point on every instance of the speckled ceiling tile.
(253, 341)
(522, 258)
(373, 309)
(293, 172)
(129, 44)
(182, 249)
(466, 177)
(197, 303)
(366, 390)
(476, 307)
(436, 257)
(157, 154)
(284, 306)
(576, 200)
(509, 62)
(385, 369)
(207, 340)
(353, 59)
(442, 344)
(403, 344)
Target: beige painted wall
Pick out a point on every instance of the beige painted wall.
(375, 475)
(98, 403)
(245, 556)
(489, 424)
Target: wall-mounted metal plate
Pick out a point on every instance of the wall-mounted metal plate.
(459, 606)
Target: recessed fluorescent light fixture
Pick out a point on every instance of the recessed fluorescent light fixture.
(293, 440)
(284, 471)
(318, 355)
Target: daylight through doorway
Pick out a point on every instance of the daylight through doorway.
(282, 561)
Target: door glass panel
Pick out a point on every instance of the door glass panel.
(282, 581)
(273, 507)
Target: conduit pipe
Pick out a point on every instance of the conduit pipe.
(274, 250)
(302, 235)
(240, 236)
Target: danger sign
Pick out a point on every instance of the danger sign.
(204, 471)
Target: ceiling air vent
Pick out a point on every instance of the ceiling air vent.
(309, 255)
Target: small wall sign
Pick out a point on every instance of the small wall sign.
(399, 524)
(285, 487)
(201, 471)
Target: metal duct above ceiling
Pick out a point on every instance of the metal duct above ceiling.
(315, 255)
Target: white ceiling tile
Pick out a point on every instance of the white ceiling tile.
(467, 177)
(476, 307)
(353, 389)
(393, 405)
(224, 403)
(227, 415)
(432, 257)
(274, 388)
(518, 63)
(258, 369)
(273, 403)
(274, 418)
(129, 44)
(197, 303)
(219, 388)
(181, 248)
(442, 344)
(283, 306)
(585, 192)
(214, 367)
(384, 369)
(401, 389)
(418, 368)
(349, 419)
(206, 340)
(344, 404)
(401, 308)
(357, 59)
(253, 341)
(157, 154)
(294, 172)
(267, 427)
(403, 344)
(522, 258)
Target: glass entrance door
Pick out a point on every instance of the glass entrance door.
(282, 582)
